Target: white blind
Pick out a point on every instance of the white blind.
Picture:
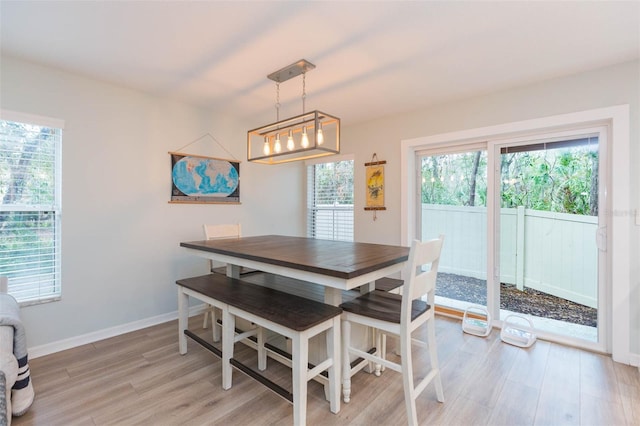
(30, 210)
(330, 200)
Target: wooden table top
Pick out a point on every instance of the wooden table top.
(340, 259)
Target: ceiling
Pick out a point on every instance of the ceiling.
(373, 58)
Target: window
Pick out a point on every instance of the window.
(330, 200)
(30, 206)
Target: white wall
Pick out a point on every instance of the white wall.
(120, 253)
(606, 87)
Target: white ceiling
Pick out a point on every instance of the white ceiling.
(373, 58)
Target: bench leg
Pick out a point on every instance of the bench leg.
(216, 330)
(333, 350)
(300, 356)
(228, 334)
(183, 319)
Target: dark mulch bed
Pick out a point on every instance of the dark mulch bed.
(529, 301)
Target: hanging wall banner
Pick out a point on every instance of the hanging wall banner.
(197, 179)
(375, 184)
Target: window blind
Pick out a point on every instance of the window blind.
(330, 200)
(30, 210)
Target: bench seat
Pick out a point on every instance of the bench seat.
(295, 317)
(295, 312)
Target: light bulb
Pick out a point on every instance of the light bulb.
(265, 148)
(305, 138)
(320, 135)
(290, 144)
(277, 146)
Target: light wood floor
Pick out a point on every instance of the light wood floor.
(140, 378)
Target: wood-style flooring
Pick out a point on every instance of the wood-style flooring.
(139, 378)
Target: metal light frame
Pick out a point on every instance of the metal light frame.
(268, 144)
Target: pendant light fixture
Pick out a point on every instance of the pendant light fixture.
(309, 135)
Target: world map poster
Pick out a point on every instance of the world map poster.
(197, 179)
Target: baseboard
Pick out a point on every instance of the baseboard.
(61, 345)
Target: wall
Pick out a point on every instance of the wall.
(120, 253)
(120, 248)
(605, 87)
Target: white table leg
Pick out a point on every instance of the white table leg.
(183, 319)
(332, 296)
(334, 350)
(346, 367)
(368, 287)
(262, 351)
(233, 271)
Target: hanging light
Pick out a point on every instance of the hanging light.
(318, 133)
(290, 142)
(277, 146)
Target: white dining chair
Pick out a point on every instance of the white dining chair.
(399, 315)
(219, 232)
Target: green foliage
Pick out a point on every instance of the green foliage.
(334, 183)
(455, 179)
(26, 164)
(559, 180)
(27, 196)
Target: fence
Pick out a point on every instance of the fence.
(551, 252)
(331, 222)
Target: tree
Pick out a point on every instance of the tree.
(559, 180)
(334, 183)
(553, 179)
(455, 179)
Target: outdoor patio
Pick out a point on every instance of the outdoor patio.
(529, 301)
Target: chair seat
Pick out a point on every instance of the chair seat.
(388, 284)
(384, 312)
(383, 306)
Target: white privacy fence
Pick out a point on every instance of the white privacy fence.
(551, 252)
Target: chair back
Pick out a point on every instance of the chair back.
(215, 232)
(421, 273)
(212, 232)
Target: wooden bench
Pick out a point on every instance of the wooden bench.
(294, 317)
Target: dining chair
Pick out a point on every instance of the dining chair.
(212, 232)
(399, 315)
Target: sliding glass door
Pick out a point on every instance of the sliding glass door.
(529, 211)
(454, 203)
(549, 208)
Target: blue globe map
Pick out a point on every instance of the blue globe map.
(197, 176)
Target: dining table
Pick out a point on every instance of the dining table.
(335, 265)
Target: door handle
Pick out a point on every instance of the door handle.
(601, 238)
